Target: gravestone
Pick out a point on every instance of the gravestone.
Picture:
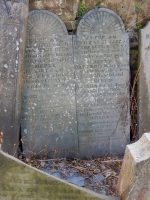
(144, 83)
(76, 88)
(20, 181)
(13, 22)
(134, 178)
(101, 59)
(49, 110)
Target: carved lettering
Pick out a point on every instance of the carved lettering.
(76, 87)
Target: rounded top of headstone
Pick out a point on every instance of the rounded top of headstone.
(45, 23)
(100, 21)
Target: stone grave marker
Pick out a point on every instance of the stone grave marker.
(101, 61)
(76, 88)
(21, 181)
(13, 22)
(49, 109)
(134, 178)
(144, 83)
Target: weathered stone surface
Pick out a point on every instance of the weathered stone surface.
(13, 19)
(76, 88)
(134, 178)
(101, 59)
(144, 80)
(20, 181)
(134, 14)
(49, 110)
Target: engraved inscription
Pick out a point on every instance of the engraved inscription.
(76, 88)
(49, 112)
(102, 84)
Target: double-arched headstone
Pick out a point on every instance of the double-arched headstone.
(76, 87)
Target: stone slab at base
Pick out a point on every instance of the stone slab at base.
(20, 181)
(134, 178)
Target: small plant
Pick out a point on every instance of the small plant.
(81, 13)
(82, 10)
(138, 8)
(139, 26)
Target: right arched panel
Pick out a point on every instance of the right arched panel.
(100, 21)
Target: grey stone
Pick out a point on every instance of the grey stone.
(43, 164)
(103, 191)
(20, 181)
(72, 173)
(46, 170)
(88, 164)
(69, 173)
(98, 178)
(77, 180)
(76, 88)
(57, 174)
(13, 21)
(49, 110)
(50, 162)
(144, 83)
(134, 177)
(102, 167)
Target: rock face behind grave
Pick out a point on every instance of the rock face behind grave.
(134, 178)
(20, 181)
(76, 97)
(13, 22)
(144, 80)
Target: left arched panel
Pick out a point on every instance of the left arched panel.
(45, 23)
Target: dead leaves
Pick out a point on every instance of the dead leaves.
(89, 169)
